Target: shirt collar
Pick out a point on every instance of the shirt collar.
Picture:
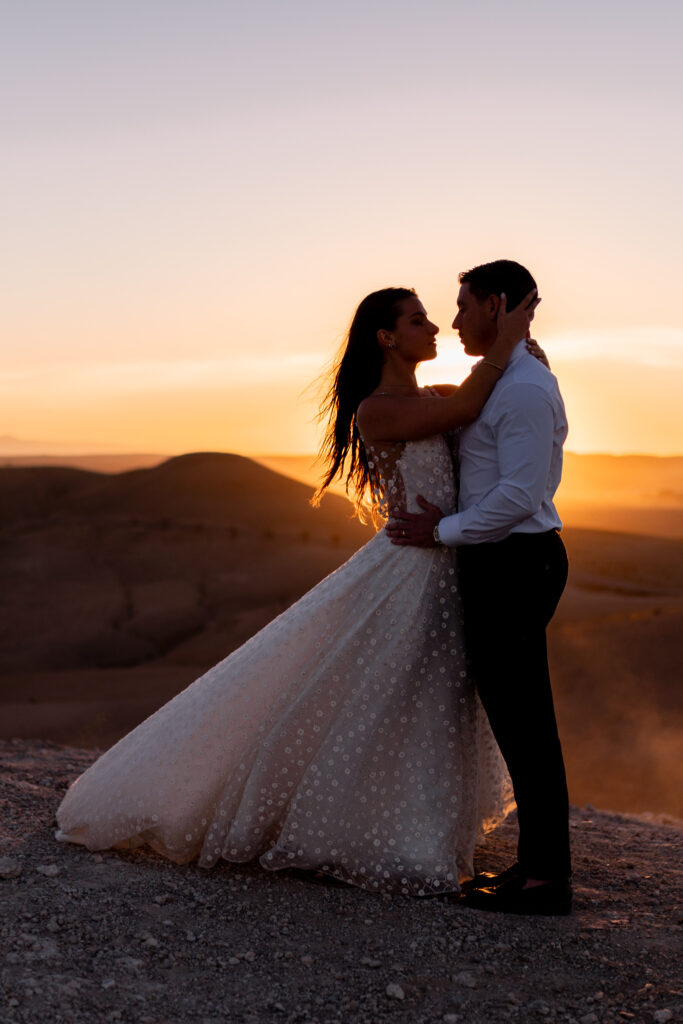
(517, 353)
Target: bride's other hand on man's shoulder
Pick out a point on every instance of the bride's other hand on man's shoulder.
(536, 351)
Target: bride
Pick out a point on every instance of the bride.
(346, 736)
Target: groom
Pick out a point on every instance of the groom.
(512, 570)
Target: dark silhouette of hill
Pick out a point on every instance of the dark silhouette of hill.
(118, 590)
(116, 570)
(215, 487)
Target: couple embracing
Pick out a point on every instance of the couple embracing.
(376, 729)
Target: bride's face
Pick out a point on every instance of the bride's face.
(414, 335)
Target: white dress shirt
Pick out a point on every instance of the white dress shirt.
(511, 458)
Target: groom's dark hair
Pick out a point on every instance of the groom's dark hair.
(499, 276)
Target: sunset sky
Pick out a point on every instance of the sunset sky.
(195, 196)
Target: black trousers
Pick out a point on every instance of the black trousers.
(510, 590)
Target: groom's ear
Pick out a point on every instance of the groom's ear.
(492, 306)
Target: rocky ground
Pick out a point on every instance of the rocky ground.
(132, 938)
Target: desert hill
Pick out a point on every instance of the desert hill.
(215, 487)
(118, 590)
(105, 571)
(629, 493)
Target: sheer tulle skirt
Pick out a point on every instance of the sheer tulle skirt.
(346, 737)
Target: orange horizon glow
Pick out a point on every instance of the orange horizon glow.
(622, 397)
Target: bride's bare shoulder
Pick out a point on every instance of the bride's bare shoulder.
(372, 413)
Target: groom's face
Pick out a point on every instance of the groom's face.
(475, 322)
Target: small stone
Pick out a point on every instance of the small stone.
(190, 936)
(108, 983)
(395, 991)
(9, 868)
(250, 956)
(233, 960)
(130, 963)
(49, 870)
(367, 961)
(151, 942)
(98, 859)
(662, 1016)
(308, 960)
(450, 1018)
(466, 979)
(588, 1018)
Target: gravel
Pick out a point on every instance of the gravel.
(130, 937)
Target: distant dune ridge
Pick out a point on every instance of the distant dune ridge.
(119, 589)
(628, 493)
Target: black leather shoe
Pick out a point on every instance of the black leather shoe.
(487, 880)
(549, 899)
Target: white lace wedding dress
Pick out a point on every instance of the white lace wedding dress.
(345, 736)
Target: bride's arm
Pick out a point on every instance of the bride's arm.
(396, 418)
(532, 347)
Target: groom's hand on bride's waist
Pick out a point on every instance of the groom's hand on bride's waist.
(415, 529)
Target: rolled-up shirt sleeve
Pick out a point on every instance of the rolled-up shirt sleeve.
(524, 432)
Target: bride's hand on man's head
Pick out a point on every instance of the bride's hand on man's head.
(515, 324)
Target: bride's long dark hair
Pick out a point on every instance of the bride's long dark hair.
(355, 375)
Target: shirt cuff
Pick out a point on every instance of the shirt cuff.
(450, 531)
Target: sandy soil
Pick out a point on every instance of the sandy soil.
(130, 937)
